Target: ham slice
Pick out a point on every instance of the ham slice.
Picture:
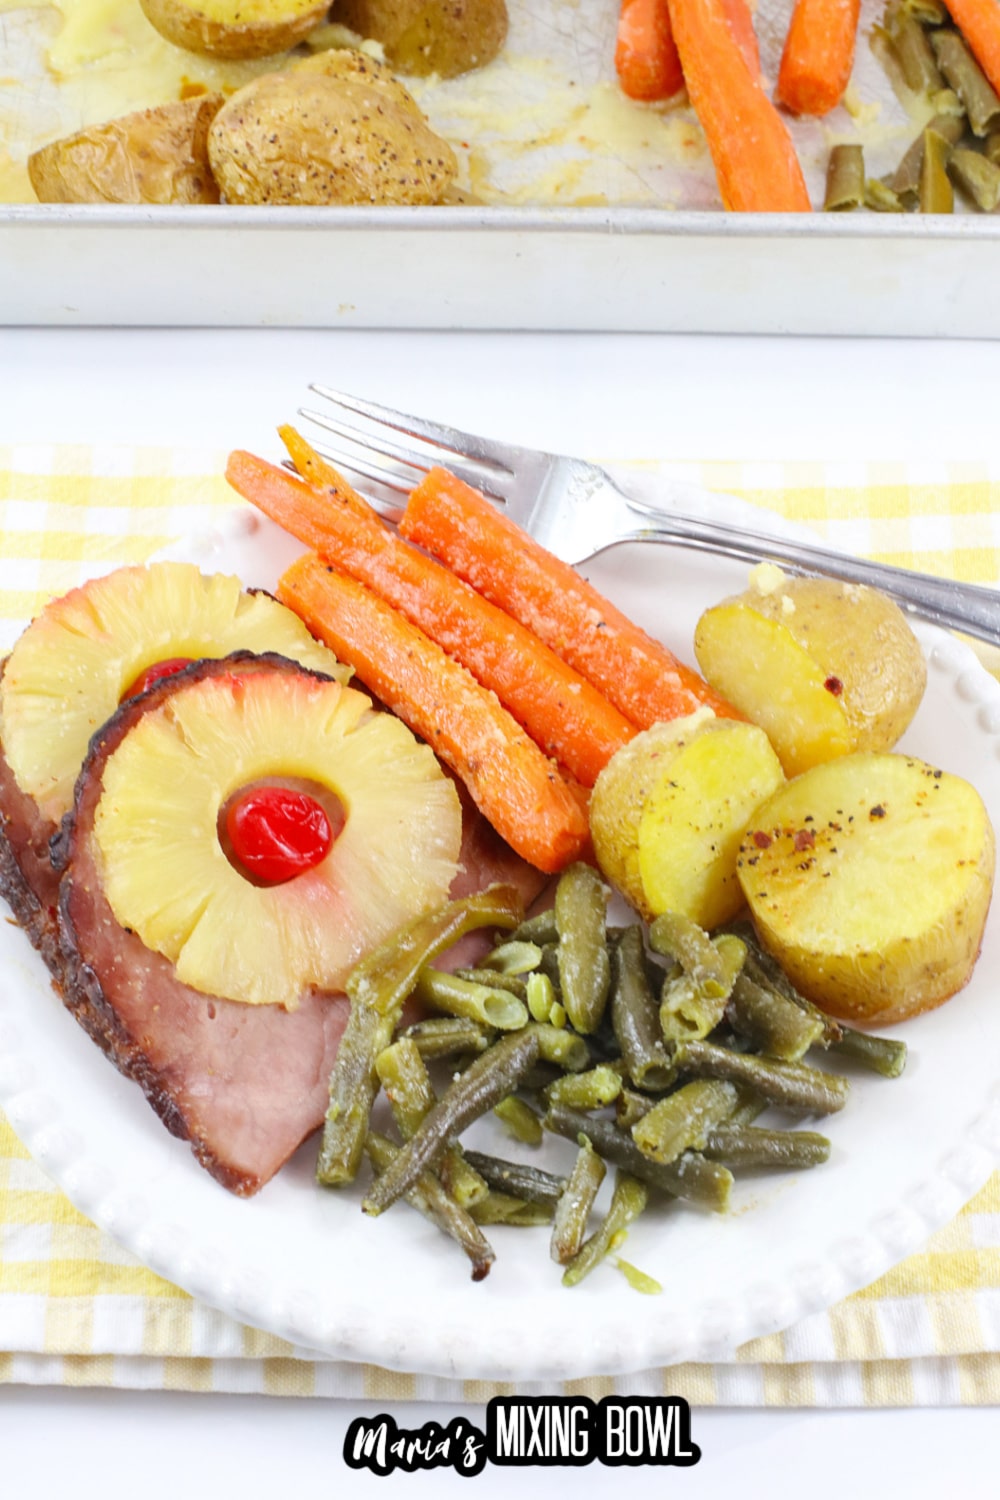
(245, 1085)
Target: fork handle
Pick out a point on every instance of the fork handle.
(967, 607)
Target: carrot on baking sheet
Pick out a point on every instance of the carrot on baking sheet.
(979, 23)
(755, 161)
(523, 794)
(818, 55)
(472, 537)
(646, 59)
(564, 713)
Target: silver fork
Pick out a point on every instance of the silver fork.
(575, 509)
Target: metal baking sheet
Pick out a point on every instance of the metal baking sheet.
(595, 214)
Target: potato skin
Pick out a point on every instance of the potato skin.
(336, 129)
(153, 156)
(824, 667)
(869, 879)
(430, 36)
(234, 29)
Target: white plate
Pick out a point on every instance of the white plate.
(306, 1264)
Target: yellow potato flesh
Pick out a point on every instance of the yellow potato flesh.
(759, 666)
(869, 879)
(825, 667)
(693, 819)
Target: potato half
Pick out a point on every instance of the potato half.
(824, 667)
(668, 811)
(869, 879)
(153, 156)
(234, 28)
(337, 128)
(430, 36)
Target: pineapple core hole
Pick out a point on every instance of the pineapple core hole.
(279, 827)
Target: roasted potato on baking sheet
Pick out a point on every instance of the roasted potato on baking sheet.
(337, 128)
(869, 880)
(235, 28)
(824, 667)
(668, 811)
(153, 156)
(446, 37)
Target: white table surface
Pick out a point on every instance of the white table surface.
(607, 396)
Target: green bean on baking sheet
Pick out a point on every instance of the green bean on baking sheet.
(968, 80)
(845, 179)
(663, 1087)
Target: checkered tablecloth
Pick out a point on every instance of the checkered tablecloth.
(77, 1310)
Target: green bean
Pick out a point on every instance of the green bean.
(494, 980)
(487, 1080)
(590, 1090)
(913, 51)
(407, 1084)
(514, 958)
(845, 179)
(385, 979)
(676, 936)
(926, 12)
(682, 1120)
(977, 176)
(991, 147)
(793, 1086)
(378, 987)
(558, 1045)
(627, 1202)
(584, 965)
(495, 1008)
(353, 1086)
(749, 1147)
(631, 1106)
(692, 1177)
(569, 1225)
(635, 1013)
(540, 929)
(428, 1196)
(531, 1184)
(638, 1280)
(968, 80)
(771, 1023)
(936, 194)
(905, 181)
(688, 1011)
(504, 1208)
(541, 997)
(880, 198)
(520, 1119)
(879, 1054)
(448, 1036)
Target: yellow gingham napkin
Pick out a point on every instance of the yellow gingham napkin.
(77, 1310)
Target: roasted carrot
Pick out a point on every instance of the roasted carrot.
(646, 60)
(564, 714)
(979, 23)
(818, 55)
(740, 20)
(517, 789)
(641, 677)
(755, 161)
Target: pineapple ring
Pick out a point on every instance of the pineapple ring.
(166, 874)
(68, 672)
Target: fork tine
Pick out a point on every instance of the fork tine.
(478, 461)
